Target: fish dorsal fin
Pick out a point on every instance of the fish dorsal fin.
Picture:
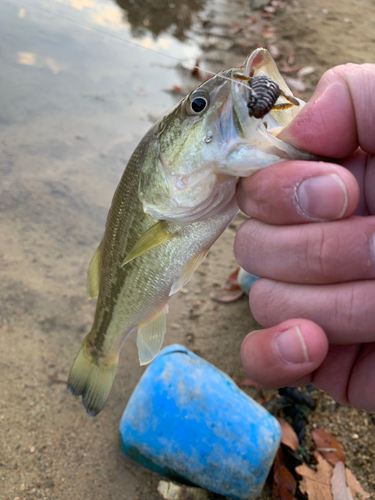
(93, 274)
(190, 268)
(150, 337)
(153, 237)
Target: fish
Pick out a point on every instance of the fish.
(177, 195)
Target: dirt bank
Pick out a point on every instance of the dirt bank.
(55, 190)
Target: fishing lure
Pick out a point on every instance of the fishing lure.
(264, 94)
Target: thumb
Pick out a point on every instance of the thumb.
(286, 354)
(340, 115)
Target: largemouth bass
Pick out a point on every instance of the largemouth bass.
(175, 198)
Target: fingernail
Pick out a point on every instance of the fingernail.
(322, 197)
(291, 346)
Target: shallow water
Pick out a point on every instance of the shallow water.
(73, 90)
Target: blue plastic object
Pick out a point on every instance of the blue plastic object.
(189, 422)
(246, 280)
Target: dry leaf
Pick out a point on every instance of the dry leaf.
(307, 70)
(295, 84)
(231, 286)
(288, 437)
(268, 32)
(230, 297)
(284, 484)
(328, 446)
(196, 73)
(247, 382)
(340, 490)
(316, 484)
(171, 491)
(355, 487)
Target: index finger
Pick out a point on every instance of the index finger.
(340, 116)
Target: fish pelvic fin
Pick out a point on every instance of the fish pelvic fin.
(150, 337)
(93, 275)
(188, 271)
(153, 237)
(92, 379)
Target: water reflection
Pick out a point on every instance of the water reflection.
(159, 16)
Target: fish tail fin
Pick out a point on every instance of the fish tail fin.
(92, 379)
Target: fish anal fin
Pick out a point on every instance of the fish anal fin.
(153, 237)
(150, 337)
(93, 274)
(187, 273)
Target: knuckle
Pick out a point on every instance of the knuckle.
(320, 255)
(354, 307)
(265, 302)
(246, 243)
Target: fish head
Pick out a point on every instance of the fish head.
(195, 154)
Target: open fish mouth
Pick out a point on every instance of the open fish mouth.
(227, 129)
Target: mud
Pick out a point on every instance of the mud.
(75, 101)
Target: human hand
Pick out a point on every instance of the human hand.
(312, 240)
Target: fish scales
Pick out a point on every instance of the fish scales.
(175, 198)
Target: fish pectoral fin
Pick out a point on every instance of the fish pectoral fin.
(150, 337)
(153, 237)
(93, 275)
(187, 273)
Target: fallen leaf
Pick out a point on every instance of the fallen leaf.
(55, 380)
(340, 490)
(172, 491)
(274, 50)
(295, 84)
(307, 70)
(231, 286)
(288, 436)
(355, 487)
(230, 297)
(268, 32)
(316, 484)
(290, 59)
(247, 382)
(234, 29)
(328, 446)
(284, 484)
(177, 89)
(195, 72)
(285, 68)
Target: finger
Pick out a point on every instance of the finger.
(346, 311)
(361, 387)
(340, 116)
(358, 164)
(278, 356)
(333, 375)
(325, 252)
(299, 191)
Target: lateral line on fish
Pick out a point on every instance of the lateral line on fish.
(141, 47)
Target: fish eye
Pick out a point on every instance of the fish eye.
(197, 104)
